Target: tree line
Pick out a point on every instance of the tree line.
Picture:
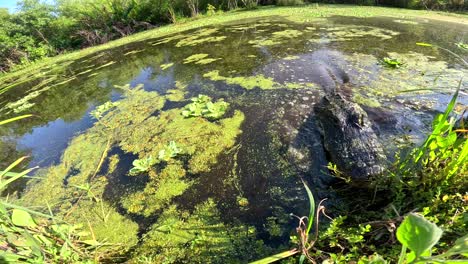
(40, 29)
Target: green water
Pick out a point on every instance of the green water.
(228, 195)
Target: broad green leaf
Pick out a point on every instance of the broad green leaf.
(460, 247)
(418, 234)
(22, 218)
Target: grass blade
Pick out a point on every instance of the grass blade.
(312, 207)
(14, 164)
(277, 257)
(438, 129)
(14, 178)
(3, 122)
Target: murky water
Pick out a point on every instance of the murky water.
(271, 72)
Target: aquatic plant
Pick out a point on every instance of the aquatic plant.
(204, 107)
(200, 37)
(141, 165)
(199, 59)
(102, 109)
(391, 62)
(303, 239)
(166, 66)
(195, 57)
(199, 237)
(462, 45)
(288, 33)
(246, 82)
(169, 152)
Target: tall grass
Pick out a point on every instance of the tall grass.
(29, 236)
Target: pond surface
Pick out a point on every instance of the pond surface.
(230, 190)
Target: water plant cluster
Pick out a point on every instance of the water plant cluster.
(204, 107)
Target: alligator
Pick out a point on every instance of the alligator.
(348, 138)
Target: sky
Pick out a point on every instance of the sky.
(10, 4)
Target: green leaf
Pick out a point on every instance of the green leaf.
(3, 122)
(91, 242)
(418, 234)
(312, 207)
(22, 218)
(14, 178)
(424, 44)
(301, 259)
(460, 247)
(276, 257)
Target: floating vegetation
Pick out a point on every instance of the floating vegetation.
(65, 81)
(366, 100)
(204, 107)
(105, 65)
(391, 62)
(195, 57)
(291, 57)
(95, 57)
(199, 59)
(245, 27)
(84, 72)
(133, 52)
(175, 95)
(201, 140)
(276, 38)
(194, 42)
(210, 240)
(167, 39)
(206, 61)
(169, 152)
(199, 37)
(462, 45)
(166, 66)
(246, 82)
(288, 33)
(421, 75)
(102, 109)
(408, 22)
(346, 33)
(260, 42)
(23, 104)
(141, 165)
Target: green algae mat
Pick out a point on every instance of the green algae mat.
(191, 147)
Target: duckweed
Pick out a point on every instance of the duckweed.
(195, 57)
(209, 240)
(246, 82)
(166, 66)
(200, 37)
